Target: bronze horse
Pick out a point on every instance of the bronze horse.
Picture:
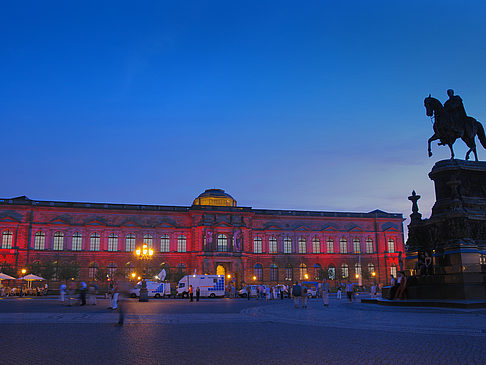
(447, 132)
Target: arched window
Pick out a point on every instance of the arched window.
(58, 244)
(316, 245)
(330, 245)
(7, 239)
(273, 272)
(302, 245)
(112, 242)
(287, 245)
(259, 272)
(39, 241)
(357, 270)
(92, 270)
(129, 269)
(303, 272)
(181, 244)
(371, 269)
(181, 268)
(148, 240)
(130, 242)
(222, 243)
(357, 245)
(289, 273)
(165, 243)
(393, 270)
(77, 242)
(391, 245)
(331, 272)
(369, 245)
(272, 245)
(94, 242)
(111, 269)
(257, 245)
(344, 271)
(318, 272)
(343, 244)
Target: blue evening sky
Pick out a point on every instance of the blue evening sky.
(312, 105)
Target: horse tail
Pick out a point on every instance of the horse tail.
(480, 133)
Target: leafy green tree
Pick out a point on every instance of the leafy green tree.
(101, 275)
(35, 268)
(48, 271)
(68, 271)
(6, 268)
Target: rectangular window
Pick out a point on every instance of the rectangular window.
(113, 242)
(257, 245)
(356, 245)
(77, 242)
(343, 245)
(391, 245)
(165, 243)
(272, 245)
(287, 245)
(330, 245)
(130, 242)
(369, 245)
(58, 243)
(316, 245)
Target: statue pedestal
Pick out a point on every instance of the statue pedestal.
(454, 235)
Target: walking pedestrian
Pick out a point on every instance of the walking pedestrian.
(82, 293)
(339, 293)
(198, 294)
(116, 293)
(296, 292)
(349, 291)
(325, 292)
(62, 292)
(248, 291)
(191, 294)
(304, 297)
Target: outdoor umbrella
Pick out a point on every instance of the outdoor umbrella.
(5, 277)
(30, 278)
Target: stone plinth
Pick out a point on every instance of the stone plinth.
(454, 235)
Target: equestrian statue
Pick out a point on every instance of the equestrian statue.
(451, 122)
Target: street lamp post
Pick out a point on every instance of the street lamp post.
(145, 254)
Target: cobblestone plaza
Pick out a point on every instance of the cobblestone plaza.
(39, 331)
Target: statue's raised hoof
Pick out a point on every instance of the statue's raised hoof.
(430, 154)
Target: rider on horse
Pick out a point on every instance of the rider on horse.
(455, 108)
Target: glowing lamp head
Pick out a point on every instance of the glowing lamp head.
(133, 275)
(150, 252)
(306, 276)
(24, 271)
(139, 278)
(137, 252)
(357, 276)
(373, 273)
(254, 278)
(229, 276)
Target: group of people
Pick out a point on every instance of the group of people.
(191, 293)
(6, 291)
(398, 286)
(67, 293)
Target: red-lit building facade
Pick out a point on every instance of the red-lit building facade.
(212, 236)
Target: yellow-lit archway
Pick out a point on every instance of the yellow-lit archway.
(220, 270)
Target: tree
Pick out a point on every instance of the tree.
(68, 271)
(48, 271)
(6, 268)
(35, 268)
(101, 275)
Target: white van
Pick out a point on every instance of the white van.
(210, 285)
(253, 293)
(154, 289)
